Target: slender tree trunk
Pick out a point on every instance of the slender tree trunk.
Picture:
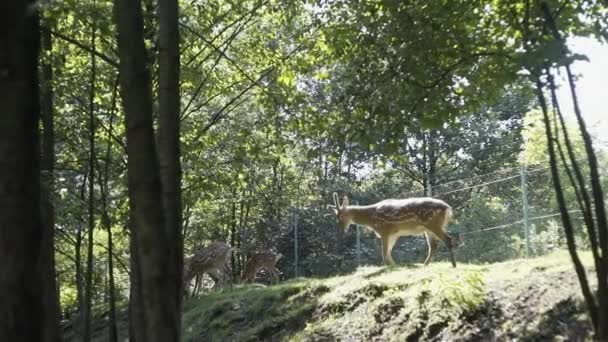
(78, 279)
(137, 321)
(107, 224)
(233, 238)
(237, 263)
(78, 266)
(113, 332)
(155, 248)
(91, 198)
(568, 229)
(22, 244)
(431, 165)
(169, 147)
(51, 311)
(601, 259)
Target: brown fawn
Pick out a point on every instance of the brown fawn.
(393, 218)
(267, 260)
(212, 259)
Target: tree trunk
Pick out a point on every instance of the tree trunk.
(137, 322)
(107, 224)
(598, 309)
(51, 310)
(154, 246)
(78, 280)
(113, 332)
(237, 264)
(233, 238)
(78, 267)
(169, 146)
(91, 199)
(22, 242)
(565, 215)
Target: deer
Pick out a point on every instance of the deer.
(212, 259)
(258, 261)
(391, 218)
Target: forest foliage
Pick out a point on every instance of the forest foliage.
(274, 105)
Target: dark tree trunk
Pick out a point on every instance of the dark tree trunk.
(107, 224)
(169, 146)
(113, 332)
(137, 322)
(155, 247)
(565, 215)
(51, 311)
(22, 242)
(598, 310)
(91, 199)
(78, 280)
(233, 238)
(237, 264)
(78, 267)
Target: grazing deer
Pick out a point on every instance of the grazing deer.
(393, 218)
(212, 260)
(260, 260)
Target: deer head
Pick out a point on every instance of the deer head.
(343, 217)
(259, 260)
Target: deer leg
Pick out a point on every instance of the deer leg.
(197, 283)
(391, 243)
(227, 273)
(186, 288)
(383, 250)
(432, 242)
(223, 276)
(448, 242)
(272, 274)
(214, 276)
(388, 242)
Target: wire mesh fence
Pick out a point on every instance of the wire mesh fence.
(499, 216)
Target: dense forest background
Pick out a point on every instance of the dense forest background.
(166, 125)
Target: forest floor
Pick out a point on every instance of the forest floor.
(526, 300)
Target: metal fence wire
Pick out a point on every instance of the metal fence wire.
(498, 216)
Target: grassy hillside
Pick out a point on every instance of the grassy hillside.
(530, 300)
(527, 300)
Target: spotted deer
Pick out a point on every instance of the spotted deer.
(212, 259)
(262, 260)
(393, 218)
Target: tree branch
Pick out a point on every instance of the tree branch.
(84, 47)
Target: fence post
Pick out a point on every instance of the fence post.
(524, 194)
(358, 242)
(295, 240)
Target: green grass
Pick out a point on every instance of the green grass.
(527, 299)
(402, 303)
(249, 313)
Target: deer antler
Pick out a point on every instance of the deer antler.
(336, 201)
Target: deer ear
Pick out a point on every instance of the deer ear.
(336, 202)
(345, 202)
